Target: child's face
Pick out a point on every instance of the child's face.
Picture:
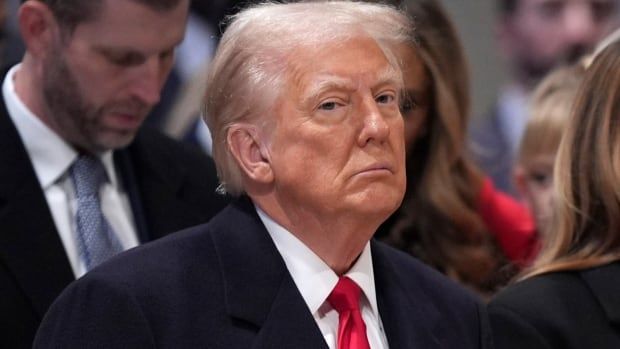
(535, 181)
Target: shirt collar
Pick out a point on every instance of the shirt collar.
(51, 155)
(315, 279)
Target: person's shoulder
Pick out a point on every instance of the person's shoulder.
(547, 311)
(175, 254)
(543, 299)
(536, 289)
(154, 262)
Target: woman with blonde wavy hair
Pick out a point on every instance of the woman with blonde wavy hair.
(452, 218)
(569, 297)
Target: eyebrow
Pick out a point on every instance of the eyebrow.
(326, 82)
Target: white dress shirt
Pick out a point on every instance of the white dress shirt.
(315, 281)
(513, 115)
(51, 158)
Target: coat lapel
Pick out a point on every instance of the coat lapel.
(259, 289)
(29, 243)
(409, 317)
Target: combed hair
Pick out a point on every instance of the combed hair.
(70, 13)
(585, 230)
(247, 73)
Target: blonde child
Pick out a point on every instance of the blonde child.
(550, 110)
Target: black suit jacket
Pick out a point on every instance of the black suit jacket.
(170, 187)
(491, 150)
(563, 310)
(224, 285)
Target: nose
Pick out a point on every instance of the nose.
(148, 81)
(580, 25)
(374, 125)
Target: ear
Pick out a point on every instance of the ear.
(38, 27)
(250, 151)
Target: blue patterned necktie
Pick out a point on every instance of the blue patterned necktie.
(96, 240)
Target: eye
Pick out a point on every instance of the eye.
(328, 105)
(540, 178)
(166, 55)
(407, 105)
(127, 59)
(385, 98)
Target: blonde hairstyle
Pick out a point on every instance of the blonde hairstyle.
(585, 229)
(439, 221)
(247, 73)
(549, 111)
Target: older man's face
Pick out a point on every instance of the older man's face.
(338, 145)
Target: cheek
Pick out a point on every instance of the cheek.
(542, 199)
(98, 79)
(304, 156)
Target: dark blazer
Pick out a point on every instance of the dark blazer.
(491, 151)
(170, 187)
(224, 285)
(563, 310)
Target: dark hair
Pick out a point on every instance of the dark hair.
(70, 13)
(438, 221)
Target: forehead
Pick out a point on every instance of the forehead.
(135, 25)
(345, 64)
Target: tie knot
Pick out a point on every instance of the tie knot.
(345, 296)
(88, 174)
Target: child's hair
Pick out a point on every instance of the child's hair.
(550, 109)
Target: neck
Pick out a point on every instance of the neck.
(338, 239)
(28, 88)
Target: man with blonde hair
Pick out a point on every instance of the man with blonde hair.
(303, 104)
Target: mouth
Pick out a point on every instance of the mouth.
(377, 168)
(125, 120)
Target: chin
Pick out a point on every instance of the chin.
(381, 202)
(115, 141)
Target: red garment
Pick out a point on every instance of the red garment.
(510, 222)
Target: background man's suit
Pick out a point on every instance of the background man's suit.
(224, 285)
(492, 150)
(170, 187)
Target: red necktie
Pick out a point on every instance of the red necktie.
(345, 298)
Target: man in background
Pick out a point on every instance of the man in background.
(80, 180)
(535, 36)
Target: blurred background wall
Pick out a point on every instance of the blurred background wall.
(475, 22)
